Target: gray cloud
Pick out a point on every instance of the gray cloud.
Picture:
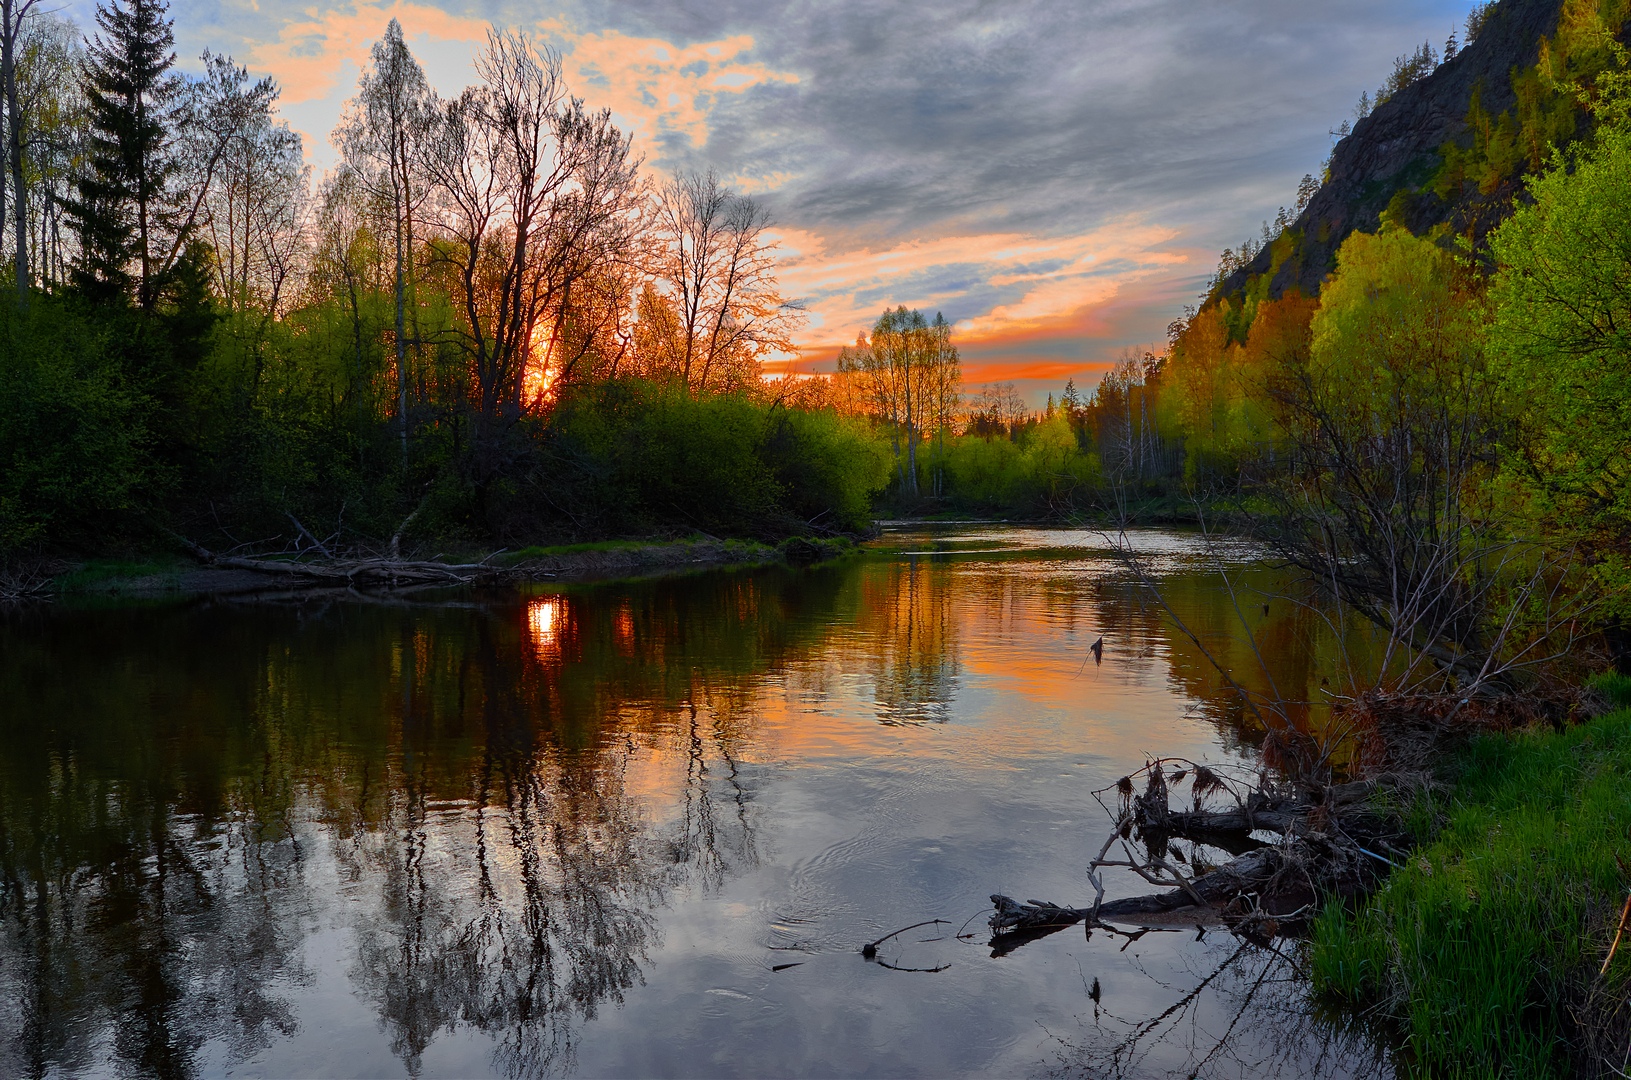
(1042, 116)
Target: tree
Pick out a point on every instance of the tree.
(12, 14)
(715, 266)
(50, 53)
(382, 138)
(120, 212)
(1391, 498)
(251, 183)
(1562, 334)
(538, 196)
(909, 379)
(943, 393)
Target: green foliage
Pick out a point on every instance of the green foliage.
(1549, 111)
(1479, 947)
(1562, 332)
(128, 86)
(1044, 470)
(1392, 306)
(637, 458)
(72, 439)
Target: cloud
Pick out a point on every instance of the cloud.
(991, 286)
(311, 50)
(661, 91)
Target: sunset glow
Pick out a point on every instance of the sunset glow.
(1026, 268)
(546, 621)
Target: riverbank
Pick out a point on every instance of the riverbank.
(605, 560)
(1484, 955)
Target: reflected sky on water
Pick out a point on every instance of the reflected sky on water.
(632, 829)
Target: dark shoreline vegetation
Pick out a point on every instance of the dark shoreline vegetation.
(1412, 389)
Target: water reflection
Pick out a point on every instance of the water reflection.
(910, 642)
(521, 835)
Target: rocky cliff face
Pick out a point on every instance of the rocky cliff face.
(1397, 146)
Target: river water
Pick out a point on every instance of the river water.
(634, 829)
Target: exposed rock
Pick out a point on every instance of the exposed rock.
(1397, 146)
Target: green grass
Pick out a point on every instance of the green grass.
(578, 549)
(107, 575)
(1475, 951)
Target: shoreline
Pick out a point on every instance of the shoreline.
(178, 577)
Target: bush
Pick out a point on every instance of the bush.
(636, 458)
(72, 439)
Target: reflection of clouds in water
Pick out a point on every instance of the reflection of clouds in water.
(546, 622)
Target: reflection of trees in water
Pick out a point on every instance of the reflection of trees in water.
(156, 929)
(712, 845)
(908, 620)
(1241, 1011)
(1303, 660)
(170, 778)
(515, 913)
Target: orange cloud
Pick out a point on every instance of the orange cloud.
(1059, 280)
(1052, 371)
(652, 86)
(655, 87)
(310, 51)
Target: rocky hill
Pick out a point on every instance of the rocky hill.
(1397, 148)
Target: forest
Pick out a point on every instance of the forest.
(490, 327)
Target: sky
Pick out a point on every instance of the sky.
(1057, 177)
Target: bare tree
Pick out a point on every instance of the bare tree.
(252, 200)
(536, 197)
(714, 265)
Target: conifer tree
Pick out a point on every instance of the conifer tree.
(120, 209)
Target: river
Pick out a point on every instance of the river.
(638, 828)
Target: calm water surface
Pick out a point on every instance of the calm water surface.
(630, 829)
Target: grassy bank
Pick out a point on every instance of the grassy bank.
(1482, 955)
(601, 560)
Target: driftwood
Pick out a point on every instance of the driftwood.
(354, 572)
(1244, 874)
(1325, 846)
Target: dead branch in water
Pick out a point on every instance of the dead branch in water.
(1327, 844)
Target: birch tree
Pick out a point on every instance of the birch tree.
(382, 139)
(714, 263)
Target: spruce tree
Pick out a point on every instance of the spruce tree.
(120, 210)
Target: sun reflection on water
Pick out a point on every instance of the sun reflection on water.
(546, 622)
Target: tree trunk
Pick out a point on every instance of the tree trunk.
(8, 73)
(401, 342)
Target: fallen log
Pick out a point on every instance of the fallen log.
(353, 572)
(1251, 871)
(1320, 852)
